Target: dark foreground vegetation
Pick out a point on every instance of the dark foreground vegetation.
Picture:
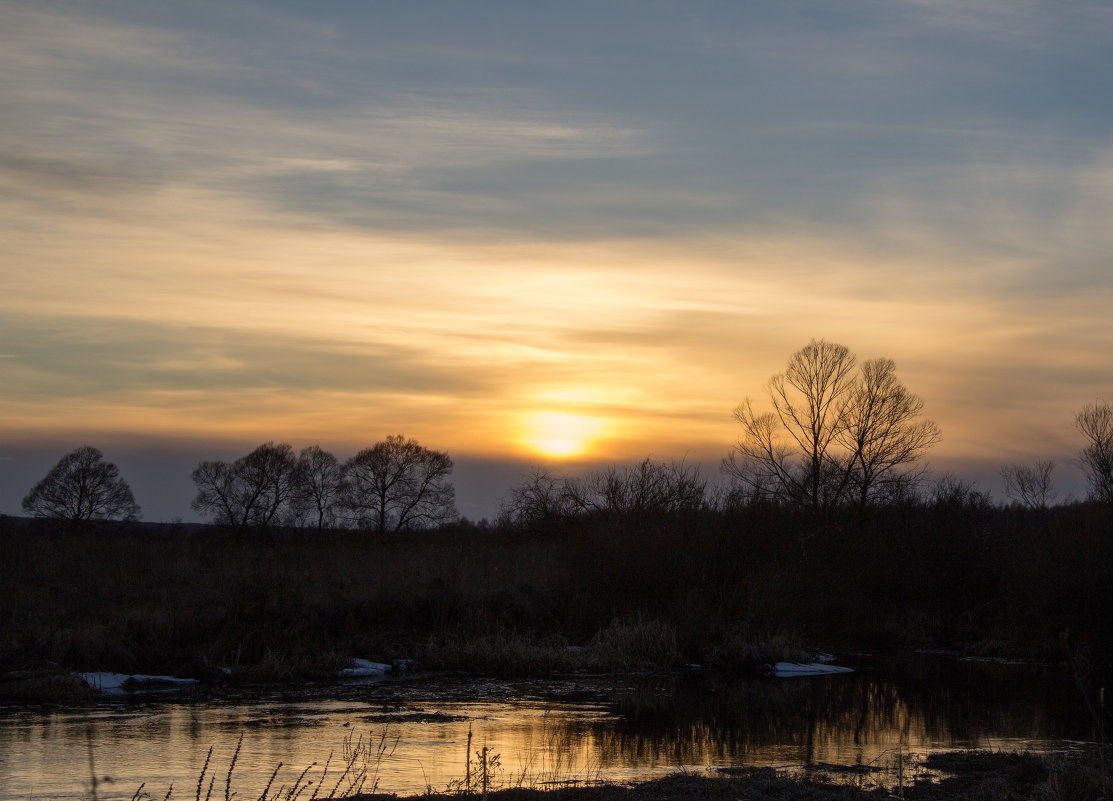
(730, 588)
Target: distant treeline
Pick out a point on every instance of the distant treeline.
(839, 435)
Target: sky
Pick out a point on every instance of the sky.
(569, 234)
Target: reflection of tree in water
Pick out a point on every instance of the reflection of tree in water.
(918, 702)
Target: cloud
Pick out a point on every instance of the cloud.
(88, 356)
(768, 117)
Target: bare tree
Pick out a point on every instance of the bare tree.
(254, 491)
(319, 484)
(1095, 421)
(1029, 484)
(397, 485)
(541, 498)
(834, 434)
(220, 494)
(883, 432)
(789, 454)
(647, 487)
(82, 486)
(951, 492)
(272, 468)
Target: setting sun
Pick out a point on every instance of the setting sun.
(560, 434)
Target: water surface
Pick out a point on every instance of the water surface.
(560, 729)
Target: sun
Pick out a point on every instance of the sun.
(560, 434)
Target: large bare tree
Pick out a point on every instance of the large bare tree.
(835, 433)
(256, 490)
(789, 454)
(1095, 421)
(82, 486)
(319, 485)
(397, 484)
(884, 433)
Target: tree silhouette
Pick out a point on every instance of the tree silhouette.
(883, 433)
(319, 484)
(809, 400)
(1095, 421)
(397, 485)
(647, 487)
(82, 486)
(1029, 484)
(254, 491)
(834, 434)
(540, 498)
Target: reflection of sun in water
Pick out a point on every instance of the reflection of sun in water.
(559, 434)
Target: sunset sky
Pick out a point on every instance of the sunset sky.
(573, 233)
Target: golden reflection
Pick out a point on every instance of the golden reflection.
(873, 719)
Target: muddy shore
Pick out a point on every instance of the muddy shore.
(1082, 774)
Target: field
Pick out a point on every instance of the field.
(727, 589)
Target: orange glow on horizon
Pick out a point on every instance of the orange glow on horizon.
(560, 434)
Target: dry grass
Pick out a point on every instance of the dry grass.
(636, 643)
(32, 687)
(723, 588)
(1079, 775)
(354, 774)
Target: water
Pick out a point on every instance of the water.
(580, 729)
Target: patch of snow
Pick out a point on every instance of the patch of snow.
(363, 668)
(787, 669)
(121, 683)
(993, 660)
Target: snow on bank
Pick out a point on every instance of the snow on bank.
(788, 669)
(364, 668)
(125, 683)
(121, 683)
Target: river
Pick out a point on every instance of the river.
(414, 733)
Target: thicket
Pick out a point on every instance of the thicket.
(729, 587)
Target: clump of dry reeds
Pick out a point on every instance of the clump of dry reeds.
(1080, 773)
(358, 774)
(635, 643)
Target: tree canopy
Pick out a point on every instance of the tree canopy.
(398, 484)
(253, 491)
(82, 486)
